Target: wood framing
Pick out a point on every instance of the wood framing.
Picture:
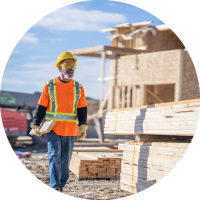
(91, 51)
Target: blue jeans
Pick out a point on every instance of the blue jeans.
(60, 150)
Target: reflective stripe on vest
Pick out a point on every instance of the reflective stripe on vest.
(53, 114)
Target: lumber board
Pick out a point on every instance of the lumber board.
(189, 102)
(158, 144)
(81, 144)
(169, 148)
(149, 165)
(150, 111)
(153, 132)
(151, 161)
(146, 184)
(140, 185)
(130, 189)
(96, 150)
(136, 116)
(146, 176)
(135, 179)
(128, 121)
(146, 156)
(139, 188)
(44, 127)
(142, 170)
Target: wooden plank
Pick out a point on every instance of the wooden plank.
(149, 165)
(95, 55)
(158, 144)
(123, 96)
(160, 105)
(133, 96)
(128, 95)
(155, 114)
(45, 127)
(143, 170)
(117, 97)
(87, 50)
(135, 184)
(91, 50)
(150, 111)
(129, 147)
(154, 132)
(79, 144)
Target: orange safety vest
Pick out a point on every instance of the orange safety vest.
(60, 116)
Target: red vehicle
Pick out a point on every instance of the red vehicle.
(15, 124)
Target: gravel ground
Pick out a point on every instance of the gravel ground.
(37, 164)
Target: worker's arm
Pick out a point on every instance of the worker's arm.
(82, 115)
(39, 114)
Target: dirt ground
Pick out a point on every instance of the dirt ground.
(95, 189)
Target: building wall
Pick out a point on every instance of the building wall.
(190, 83)
(139, 70)
(163, 40)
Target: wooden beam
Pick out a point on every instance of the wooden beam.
(87, 50)
(133, 95)
(121, 50)
(79, 144)
(95, 55)
(90, 51)
(117, 97)
(160, 105)
(123, 96)
(128, 96)
(153, 95)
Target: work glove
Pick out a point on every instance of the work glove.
(82, 132)
(36, 130)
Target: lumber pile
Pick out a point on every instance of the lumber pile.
(175, 118)
(144, 164)
(87, 165)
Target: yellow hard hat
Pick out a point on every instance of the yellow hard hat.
(63, 56)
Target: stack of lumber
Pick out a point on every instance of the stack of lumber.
(86, 165)
(144, 164)
(175, 118)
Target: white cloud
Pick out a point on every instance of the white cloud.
(70, 18)
(36, 57)
(13, 81)
(36, 75)
(112, 4)
(29, 38)
(55, 39)
(16, 52)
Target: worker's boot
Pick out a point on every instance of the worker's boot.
(58, 189)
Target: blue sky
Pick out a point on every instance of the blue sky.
(75, 26)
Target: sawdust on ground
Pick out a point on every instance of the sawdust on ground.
(95, 189)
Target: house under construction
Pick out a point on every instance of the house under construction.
(148, 65)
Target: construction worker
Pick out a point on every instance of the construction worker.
(62, 100)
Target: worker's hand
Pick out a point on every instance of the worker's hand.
(36, 130)
(82, 132)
